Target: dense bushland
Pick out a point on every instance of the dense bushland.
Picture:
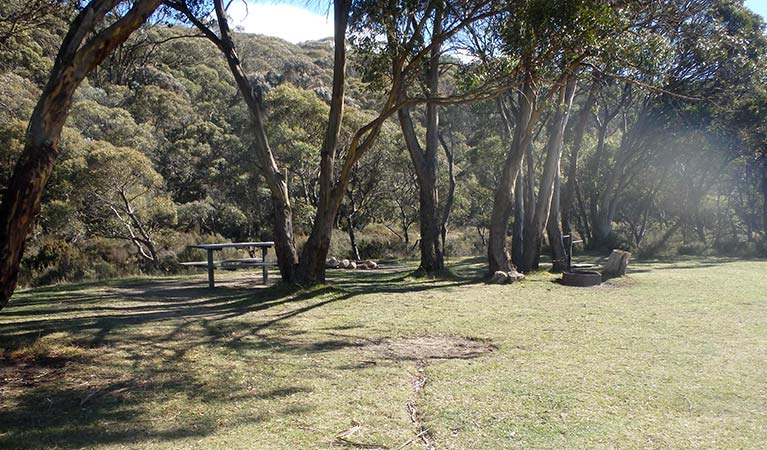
(653, 143)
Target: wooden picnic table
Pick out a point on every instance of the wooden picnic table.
(232, 264)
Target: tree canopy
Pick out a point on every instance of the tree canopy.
(479, 127)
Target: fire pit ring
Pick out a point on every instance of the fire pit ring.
(581, 278)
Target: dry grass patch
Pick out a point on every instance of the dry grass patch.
(674, 358)
(422, 348)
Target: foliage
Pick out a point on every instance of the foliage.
(680, 101)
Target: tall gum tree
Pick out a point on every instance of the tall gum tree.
(412, 59)
(334, 179)
(284, 241)
(84, 47)
(425, 160)
(702, 54)
(542, 44)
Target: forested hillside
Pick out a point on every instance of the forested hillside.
(631, 127)
(155, 154)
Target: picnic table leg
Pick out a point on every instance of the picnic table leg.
(211, 281)
(263, 260)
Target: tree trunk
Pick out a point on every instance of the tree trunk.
(608, 199)
(656, 247)
(601, 227)
(568, 193)
(311, 269)
(534, 233)
(350, 214)
(450, 195)
(582, 216)
(517, 233)
(498, 257)
(764, 197)
(554, 233)
(143, 244)
(75, 60)
(530, 248)
(284, 241)
(425, 164)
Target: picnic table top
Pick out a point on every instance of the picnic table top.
(232, 245)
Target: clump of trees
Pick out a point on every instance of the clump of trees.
(434, 128)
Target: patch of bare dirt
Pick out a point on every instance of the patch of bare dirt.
(30, 372)
(430, 347)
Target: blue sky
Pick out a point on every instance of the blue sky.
(297, 20)
(758, 6)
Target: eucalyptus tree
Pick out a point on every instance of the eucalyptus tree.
(704, 57)
(410, 62)
(123, 198)
(91, 38)
(309, 266)
(545, 45)
(219, 33)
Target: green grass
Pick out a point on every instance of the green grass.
(673, 356)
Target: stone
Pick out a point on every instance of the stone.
(345, 263)
(500, 278)
(331, 263)
(371, 264)
(515, 276)
(362, 266)
(352, 265)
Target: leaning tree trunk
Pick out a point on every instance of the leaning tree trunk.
(498, 258)
(75, 60)
(446, 209)
(284, 241)
(534, 232)
(311, 269)
(568, 193)
(554, 232)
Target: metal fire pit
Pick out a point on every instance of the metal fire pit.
(574, 277)
(581, 278)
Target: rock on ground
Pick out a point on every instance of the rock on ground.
(499, 278)
(515, 276)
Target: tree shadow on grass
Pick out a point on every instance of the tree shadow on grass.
(135, 338)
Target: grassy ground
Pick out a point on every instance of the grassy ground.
(674, 356)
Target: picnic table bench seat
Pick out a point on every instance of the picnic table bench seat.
(232, 263)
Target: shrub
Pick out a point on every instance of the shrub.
(375, 241)
(57, 261)
(693, 249)
(464, 242)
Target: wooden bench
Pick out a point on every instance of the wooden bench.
(235, 263)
